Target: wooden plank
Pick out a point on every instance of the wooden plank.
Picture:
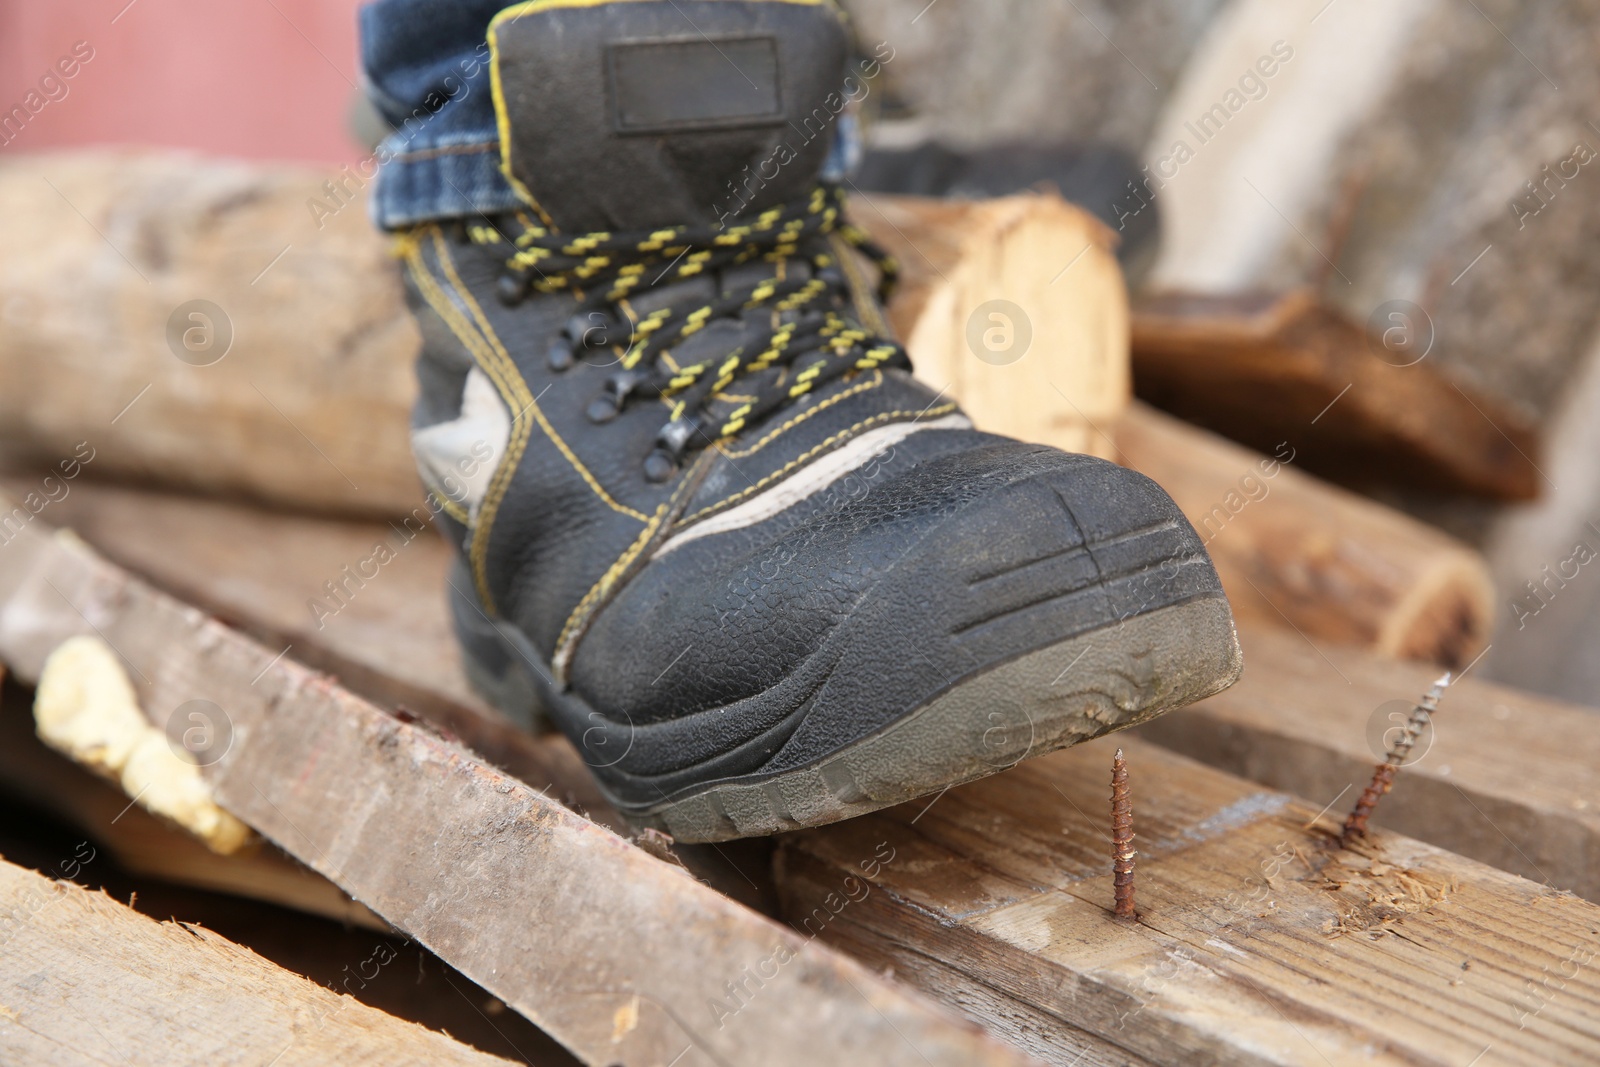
(389, 640)
(1263, 367)
(147, 845)
(84, 979)
(1255, 943)
(583, 933)
(1308, 738)
(1292, 550)
(239, 554)
(1506, 777)
(1293, 722)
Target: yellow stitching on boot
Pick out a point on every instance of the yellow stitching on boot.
(502, 118)
(509, 393)
(887, 416)
(452, 317)
(452, 509)
(860, 387)
(527, 399)
(608, 579)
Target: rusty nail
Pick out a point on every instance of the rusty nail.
(1122, 852)
(1383, 775)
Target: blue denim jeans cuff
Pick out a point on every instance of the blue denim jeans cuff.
(451, 175)
(427, 69)
(458, 174)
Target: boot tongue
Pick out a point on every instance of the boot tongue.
(642, 114)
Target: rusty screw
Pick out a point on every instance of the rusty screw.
(1383, 776)
(1122, 852)
(1356, 825)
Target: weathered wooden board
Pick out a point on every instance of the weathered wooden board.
(84, 979)
(1505, 777)
(1293, 550)
(567, 923)
(1266, 367)
(147, 845)
(1293, 722)
(1255, 944)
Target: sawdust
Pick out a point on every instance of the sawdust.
(1368, 891)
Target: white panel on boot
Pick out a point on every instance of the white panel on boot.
(458, 458)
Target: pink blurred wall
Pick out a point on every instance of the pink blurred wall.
(260, 79)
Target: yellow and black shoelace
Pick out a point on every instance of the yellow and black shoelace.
(813, 336)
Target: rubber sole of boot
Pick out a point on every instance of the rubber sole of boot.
(1049, 699)
(1060, 695)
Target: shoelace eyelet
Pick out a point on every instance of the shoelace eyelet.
(589, 330)
(672, 440)
(808, 313)
(659, 466)
(604, 407)
(511, 289)
(560, 356)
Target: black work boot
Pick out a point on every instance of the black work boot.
(710, 525)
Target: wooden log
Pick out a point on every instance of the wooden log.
(1015, 307)
(84, 979)
(956, 256)
(583, 933)
(1266, 367)
(1256, 943)
(295, 384)
(1293, 550)
(1505, 777)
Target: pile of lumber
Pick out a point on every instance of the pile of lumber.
(973, 926)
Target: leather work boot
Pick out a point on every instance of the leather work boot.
(710, 526)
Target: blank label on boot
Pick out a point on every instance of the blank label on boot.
(658, 86)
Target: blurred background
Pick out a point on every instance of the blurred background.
(1366, 231)
(268, 80)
